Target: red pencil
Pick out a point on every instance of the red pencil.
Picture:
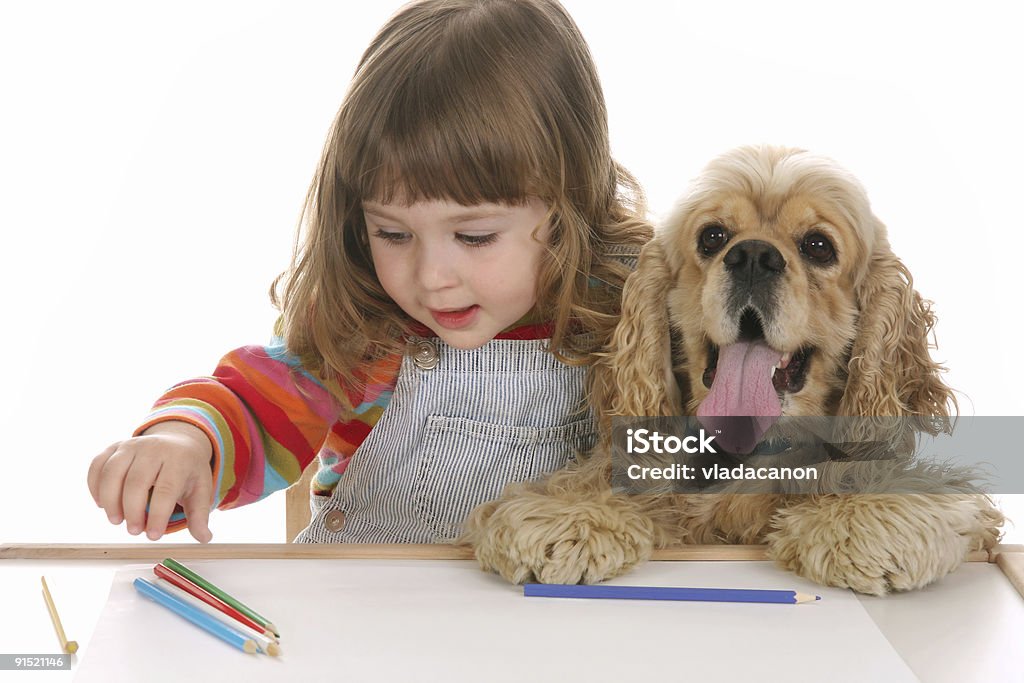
(184, 584)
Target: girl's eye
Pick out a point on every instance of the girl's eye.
(392, 237)
(477, 240)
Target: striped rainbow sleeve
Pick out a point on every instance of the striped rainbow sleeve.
(266, 416)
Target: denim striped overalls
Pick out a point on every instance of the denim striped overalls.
(461, 425)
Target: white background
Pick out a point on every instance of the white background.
(154, 160)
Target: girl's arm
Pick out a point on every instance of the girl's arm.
(265, 416)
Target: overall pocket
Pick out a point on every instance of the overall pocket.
(462, 463)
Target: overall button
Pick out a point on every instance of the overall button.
(334, 520)
(424, 354)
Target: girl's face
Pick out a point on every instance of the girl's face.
(466, 272)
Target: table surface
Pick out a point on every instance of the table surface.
(967, 627)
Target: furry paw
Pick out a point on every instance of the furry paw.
(875, 544)
(533, 537)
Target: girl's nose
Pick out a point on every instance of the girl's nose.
(436, 270)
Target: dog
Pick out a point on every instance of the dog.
(771, 292)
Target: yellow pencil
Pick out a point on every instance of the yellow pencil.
(69, 646)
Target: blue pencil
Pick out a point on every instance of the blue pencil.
(558, 590)
(196, 616)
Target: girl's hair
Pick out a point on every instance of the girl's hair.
(470, 101)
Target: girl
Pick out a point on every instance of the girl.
(467, 235)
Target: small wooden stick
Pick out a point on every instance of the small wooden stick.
(69, 646)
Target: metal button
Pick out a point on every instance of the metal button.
(334, 520)
(424, 354)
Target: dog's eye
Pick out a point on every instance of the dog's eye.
(818, 248)
(712, 239)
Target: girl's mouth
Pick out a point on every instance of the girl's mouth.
(457, 318)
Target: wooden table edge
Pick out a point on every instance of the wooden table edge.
(298, 551)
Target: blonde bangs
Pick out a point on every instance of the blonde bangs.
(447, 128)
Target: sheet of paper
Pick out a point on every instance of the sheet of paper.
(382, 620)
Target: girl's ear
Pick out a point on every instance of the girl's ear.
(636, 374)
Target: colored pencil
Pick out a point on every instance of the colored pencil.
(195, 615)
(217, 592)
(184, 584)
(69, 646)
(555, 590)
(264, 643)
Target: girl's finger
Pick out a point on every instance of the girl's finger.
(196, 504)
(141, 477)
(96, 469)
(111, 482)
(168, 489)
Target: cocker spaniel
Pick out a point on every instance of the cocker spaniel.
(771, 292)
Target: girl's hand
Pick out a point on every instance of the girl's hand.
(170, 458)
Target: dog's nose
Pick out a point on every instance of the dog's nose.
(754, 260)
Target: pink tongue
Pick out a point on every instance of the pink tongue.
(742, 403)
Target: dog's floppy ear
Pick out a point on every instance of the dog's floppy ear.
(636, 371)
(890, 370)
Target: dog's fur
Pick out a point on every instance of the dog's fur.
(867, 330)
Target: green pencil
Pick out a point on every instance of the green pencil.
(214, 590)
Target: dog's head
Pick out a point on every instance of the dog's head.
(772, 291)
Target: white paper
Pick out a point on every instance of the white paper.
(384, 620)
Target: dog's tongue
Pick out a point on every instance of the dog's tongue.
(742, 403)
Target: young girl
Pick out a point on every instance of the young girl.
(467, 235)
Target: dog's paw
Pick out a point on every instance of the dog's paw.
(875, 544)
(533, 537)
